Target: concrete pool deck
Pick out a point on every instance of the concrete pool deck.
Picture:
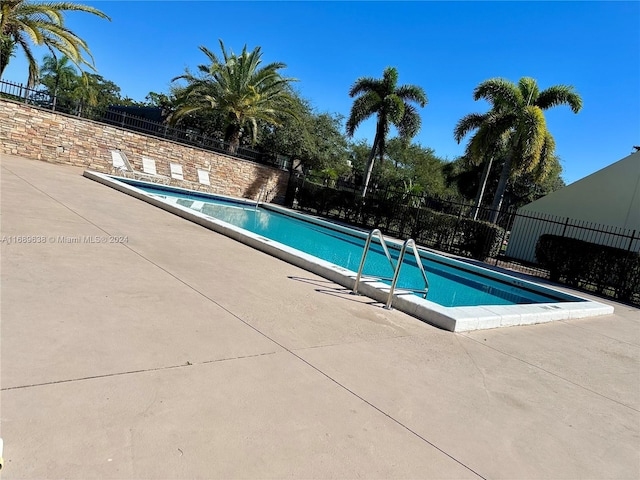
(175, 352)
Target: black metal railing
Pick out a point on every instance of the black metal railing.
(527, 227)
(397, 198)
(127, 121)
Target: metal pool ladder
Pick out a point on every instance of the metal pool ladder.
(395, 267)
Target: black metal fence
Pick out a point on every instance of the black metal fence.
(128, 121)
(397, 196)
(528, 227)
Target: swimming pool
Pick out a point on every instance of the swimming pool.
(461, 296)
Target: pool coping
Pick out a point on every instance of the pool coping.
(455, 319)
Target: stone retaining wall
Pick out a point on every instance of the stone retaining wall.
(59, 138)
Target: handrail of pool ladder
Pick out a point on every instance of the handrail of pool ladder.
(396, 274)
(260, 193)
(375, 232)
(395, 267)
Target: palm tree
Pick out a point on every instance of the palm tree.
(24, 23)
(393, 106)
(57, 74)
(241, 89)
(517, 117)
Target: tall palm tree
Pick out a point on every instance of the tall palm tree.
(240, 88)
(517, 115)
(24, 23)
(392, 104)
(56, 74)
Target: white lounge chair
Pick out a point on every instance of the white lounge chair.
(203, 177)
(149, 167)
(120, 163)
(176, 171)
(122, 166)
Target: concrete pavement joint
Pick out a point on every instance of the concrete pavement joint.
(549, 372)
(131, 372)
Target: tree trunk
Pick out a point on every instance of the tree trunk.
(502, 186)
(369, 169)
(483, 185)
(55, 97)
(232, 137)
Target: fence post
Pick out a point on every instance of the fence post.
(455, 229)
(566, 224)
(633, 236)
(508, 224)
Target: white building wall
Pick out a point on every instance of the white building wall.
(608, 200)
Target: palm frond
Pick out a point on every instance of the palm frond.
(468, 123)
(529, 90)
(547, 158)
(501, 93)
(531, 133)
(365, 84)
(412, 93)
(409, 124)
(42, 23)
(560, 95)
(363, 108)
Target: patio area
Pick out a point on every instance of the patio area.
(135, 344)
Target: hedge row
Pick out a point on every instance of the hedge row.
(580, 263)
(427, 227)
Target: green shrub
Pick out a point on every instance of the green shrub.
(465, 236)
(479, 239)
(580, 263)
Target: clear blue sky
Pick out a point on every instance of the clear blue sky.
(448, 48)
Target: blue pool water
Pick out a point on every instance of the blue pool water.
(449, 286)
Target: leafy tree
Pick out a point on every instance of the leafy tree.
(240, 88)
(84, 93)
(358, 153)
(93, 91)
(25, 23)
(329, 144)
(313, 141)
(517, 113)
(419, 165)
(526, 188)
(57, 75)
(392, 104)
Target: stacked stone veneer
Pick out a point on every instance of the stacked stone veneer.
(40, 134)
